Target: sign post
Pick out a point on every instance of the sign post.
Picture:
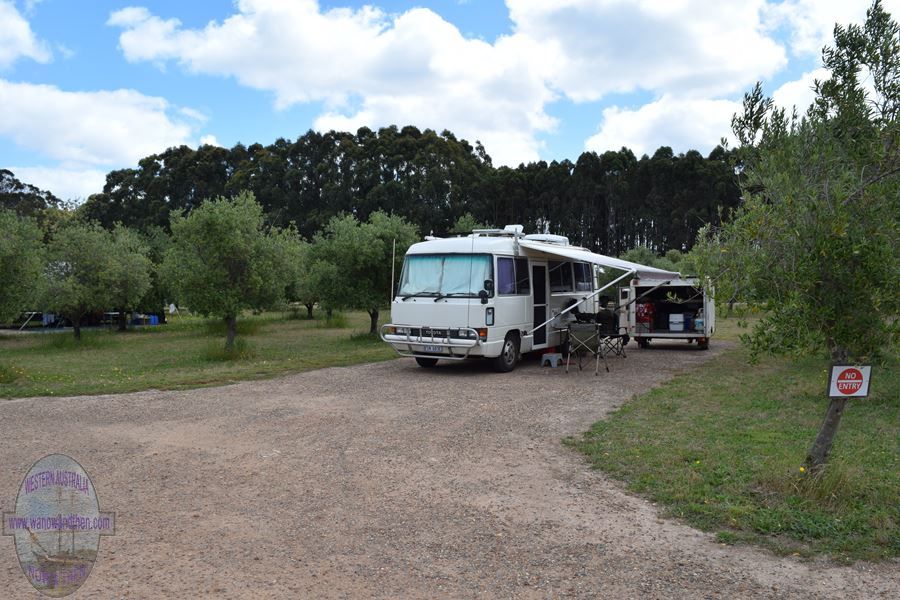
(849, 381)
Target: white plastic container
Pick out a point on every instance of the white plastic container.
(676, 322)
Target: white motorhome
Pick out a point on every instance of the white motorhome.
(667, 309)
(494, 294)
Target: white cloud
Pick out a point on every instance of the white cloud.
(699, 115)
(701, 47)
(17, 40)
(683, 124)
(67, 184)
(66, 52)
(811, 22)
(101, 128)
(209, 140)
(367, 68)
(30, 5)
(371, 68)
(194, 115)
(799, 93)
(87, 133)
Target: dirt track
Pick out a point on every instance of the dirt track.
(385, 480)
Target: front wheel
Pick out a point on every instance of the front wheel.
(427, 363)
(509, 355)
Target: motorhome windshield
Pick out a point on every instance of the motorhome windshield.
(445, 274)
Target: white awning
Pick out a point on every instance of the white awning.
(580, 254)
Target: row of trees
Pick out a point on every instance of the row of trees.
(82, 269)
(220, 260)
(24, 198)
(609, 202)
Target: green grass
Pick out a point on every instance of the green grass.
(187, 352)
(722, 448)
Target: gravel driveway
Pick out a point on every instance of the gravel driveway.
(386, 480)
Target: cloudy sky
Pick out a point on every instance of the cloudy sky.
(87, 87)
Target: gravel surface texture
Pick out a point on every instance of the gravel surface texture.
(387, 481)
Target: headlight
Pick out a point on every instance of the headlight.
(401, 330)
(469, 334)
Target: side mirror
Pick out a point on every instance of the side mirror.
(483, 295)
(489, 285)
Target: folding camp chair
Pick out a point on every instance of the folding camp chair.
(582, 339)
(614, 343)
(594, 339)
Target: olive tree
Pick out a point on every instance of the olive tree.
(158, 296)
(129, 271)
(352, 261)
(326, 282)
(815, 242)
(21, 261)
(302, 288)
(77, 274)
(223, 260)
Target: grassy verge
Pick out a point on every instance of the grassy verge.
(187, 352)
(722, 448)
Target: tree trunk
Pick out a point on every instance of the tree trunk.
(732, 300)
(821, 448)
(309, 309)
(123, 321)
(231, 323)
(328, 314)
(76, 327)
(817, 457)
(373, 316)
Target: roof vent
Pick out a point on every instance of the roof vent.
(548, 238)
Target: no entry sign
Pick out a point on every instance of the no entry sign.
(849, 381)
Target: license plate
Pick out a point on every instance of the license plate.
(434, 349)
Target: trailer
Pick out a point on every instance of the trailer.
(673, 308)
(496, 294)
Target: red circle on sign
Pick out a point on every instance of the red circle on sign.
(849, 381)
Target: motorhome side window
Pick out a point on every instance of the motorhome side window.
(560, 276)
(512, 276)
(582, 276)
(445, 274)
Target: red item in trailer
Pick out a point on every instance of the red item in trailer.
(644, 312)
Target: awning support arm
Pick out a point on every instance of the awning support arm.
(574, 306)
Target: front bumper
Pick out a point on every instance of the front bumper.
(432, 342)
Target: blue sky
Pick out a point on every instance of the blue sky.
(87, 87)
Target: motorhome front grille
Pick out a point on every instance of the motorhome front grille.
(429, 332)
